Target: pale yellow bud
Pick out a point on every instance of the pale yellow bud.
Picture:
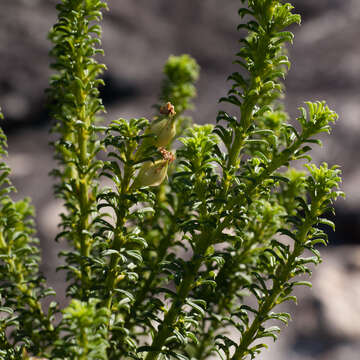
(153, 173)
(164, 131)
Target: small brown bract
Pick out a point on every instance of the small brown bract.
(168, 109)
(167, 155)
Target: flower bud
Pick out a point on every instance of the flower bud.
(164, 131)
(153, 173)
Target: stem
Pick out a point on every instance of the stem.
(28, 300)
(118, 240)
(166, 328)
(223, 302)
(84, 185)
(83, 181)
(202, 242)
(234, 158)
(164, 245)
(275, 164)
(282, 277)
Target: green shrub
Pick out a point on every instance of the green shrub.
(163, 259)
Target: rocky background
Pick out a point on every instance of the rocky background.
(138, 37)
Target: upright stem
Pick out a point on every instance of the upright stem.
(166, 328)
(164, 245)
(282, 277)
(118, 239)
(74, 95)
(234, 154)
(83, 181)
(84, 225)
(186, 285)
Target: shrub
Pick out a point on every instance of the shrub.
(163, 259)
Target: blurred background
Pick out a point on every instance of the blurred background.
(138, 38)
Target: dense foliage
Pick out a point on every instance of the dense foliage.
(164, 256)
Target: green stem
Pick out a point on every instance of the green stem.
(84, 200)
(167, 326)
(119, 239)
(28, 300)
(84, 183)
(186, 285)
(275, 164)
(164, 245)
(282, 277)
(234, 153)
